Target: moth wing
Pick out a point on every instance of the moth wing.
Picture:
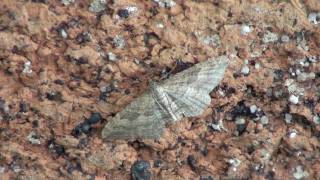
(142, 118)
(190, 88)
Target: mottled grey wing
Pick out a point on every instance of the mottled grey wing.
(190, 89)
(142, 118)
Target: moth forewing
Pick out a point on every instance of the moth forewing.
(185, 94)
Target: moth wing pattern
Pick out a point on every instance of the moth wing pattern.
(142, 118)
(190, 89)
(184, 94)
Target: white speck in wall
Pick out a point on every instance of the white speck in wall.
(27, 68)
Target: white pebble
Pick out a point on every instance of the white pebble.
(245, 30)
(165, 3)
(235, 163)
(300, 173)
(288, 118)
(240, 121)
(67, 2)
(97, 6)
(294, 99)
(27, 68)
(253, 109)
(314, 18)
(132, 9)
(160, 25)
(112, 57)
(257, 66)
(264, 120)
(63, 34)
(119, 42)
(213, 40)
(31, 138)
(245, 70)
(2, 169)
(293, 133)
(270, 37)
(316, 119)
(285, 38)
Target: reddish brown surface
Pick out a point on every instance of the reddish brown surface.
(29, 32)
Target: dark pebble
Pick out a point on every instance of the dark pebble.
(241, 128)
(40, 1)
(59, 81)
(205, 151)
(278, 75)
(81, 128)
(56, 148)
(240, 110)
(206, 178)
(192, 162)
(123, 13)
(54, 96)
(83, 38)
(23, 107)
(94, 118)
(140, 170)
(157, 163)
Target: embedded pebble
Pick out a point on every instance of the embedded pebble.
(235, 163)
(132, 9)
(27, 68)
(270, 37)
(2, 169)
(300, 173)
(218, 127)
(165, 3)
(253, 109)
(212, 40)
(285, 38)
(288, 118)
(140, 170)
(293, 133)
(119, 42)
(264, 120)
(67, 2)
(112, 57)
(32, 138)
(314, 18)
(97, 5)
(294, 99)
(257, 66)
(63, 33)
(245, 30)
(245, 70)
(316, 119)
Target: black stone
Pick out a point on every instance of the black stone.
(56, 148)
(81, 128)
(59, 81)
(23, 107)
(94, 118)
(157, 163)
(83, 38)
(123, 13)
(192, 162)
(240, 110)
(140, 170)
(206, 178)
(54, 96)
(241, 128)
(40, 1)
(278, 74)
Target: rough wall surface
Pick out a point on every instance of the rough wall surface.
(67, 67)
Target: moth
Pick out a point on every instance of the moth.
(186, 94)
